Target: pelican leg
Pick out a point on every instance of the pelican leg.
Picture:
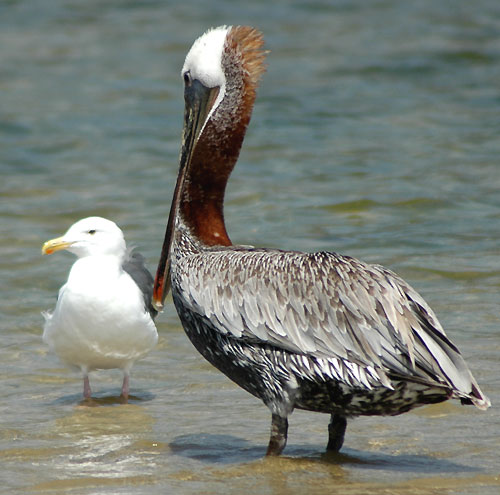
(86, 387)
(279, 431)
(336, 432)
(125, 386)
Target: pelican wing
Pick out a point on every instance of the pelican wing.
(322, 305)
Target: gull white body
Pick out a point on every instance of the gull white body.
(100, 320)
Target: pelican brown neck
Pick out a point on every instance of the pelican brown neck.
(227, 109)
(206, 161)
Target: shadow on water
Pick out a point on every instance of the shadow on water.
(415, 463)
(228, 449)
(104, 398)
(229, 459)
(216, 449)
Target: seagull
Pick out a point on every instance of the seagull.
(103, 318)
(322, 331)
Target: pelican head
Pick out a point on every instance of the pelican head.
(221, 74)
(204, 78)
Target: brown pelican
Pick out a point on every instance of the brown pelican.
(103, 318)
(315, 331)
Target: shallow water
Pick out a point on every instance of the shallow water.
(375, 134)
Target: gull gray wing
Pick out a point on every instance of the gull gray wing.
(323, 305)
(134, 265)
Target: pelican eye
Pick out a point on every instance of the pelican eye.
(91, 231)
(187, 78)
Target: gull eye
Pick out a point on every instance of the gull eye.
(91, 232)
(187, 78)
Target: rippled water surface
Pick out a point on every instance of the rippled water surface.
(375, 133)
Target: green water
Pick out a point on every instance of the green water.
(375, 134)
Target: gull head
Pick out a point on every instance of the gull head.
(89, 237)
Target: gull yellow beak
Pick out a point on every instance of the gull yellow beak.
(55, 245)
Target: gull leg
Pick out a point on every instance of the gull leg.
(279, 431)
(336, 432)
(125, 386)
(86, 387)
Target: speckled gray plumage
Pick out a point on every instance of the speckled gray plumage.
(316, 331)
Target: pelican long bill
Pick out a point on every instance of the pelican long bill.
(199, 101)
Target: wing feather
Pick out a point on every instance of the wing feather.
(134, 265)
(334, 308)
